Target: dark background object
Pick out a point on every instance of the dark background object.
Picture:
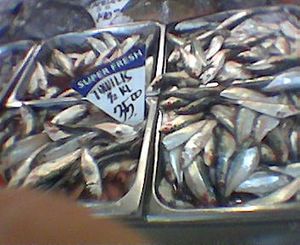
(44, 19)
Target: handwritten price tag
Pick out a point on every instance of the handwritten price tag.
(105, 11)
(118, 88)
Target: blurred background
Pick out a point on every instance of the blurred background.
(40, 19)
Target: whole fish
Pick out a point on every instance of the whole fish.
(180, 136)
(63, 62)
(22, 150)
(263, 125)
(198, 182)
(225, 115)
(217, 63)
(70, 115)
(244, 124)
(48, 170)
(179, 122)
(91, 173)
(281, 195)
(271, 109)
(209, 150)
(29, 120)
(197, 105)
(173, 103)
(175, 161)
(197, 142)
(263, 182)
(225, 146)
(22, 172)
(241, 167)
(215, 46)
(292, 169)
(267, 154)
(288, 80)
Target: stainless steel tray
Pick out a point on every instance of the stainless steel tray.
(159, 212)
(77, 41)
(130, 204)
(25, 50)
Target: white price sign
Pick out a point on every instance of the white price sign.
(118, 88)
(104, 12)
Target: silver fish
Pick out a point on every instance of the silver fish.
(70, 115)
(22, 150)
(209, 150)
(290, 30)
(91, 173)
(22, 172)
(217, 63)
(191, 63)
(52, 71)
(282, 44)
(198, 182)
(165, 191)
(263, 125)
(288, 80)
(41, 77)
(241, 167)
(215, 46)
(175, 161)
(63, 62)
(225, 147)
(48, 170)
(180, 136)
(276, 141)
(98, 45)
(292, 169)
(244, 124)
(54, 132)
(199, 52)
(281, 195)
(52, 92)
(271, 109)
(179, 121)
(197, 142)
(29, 119)
(225, 115)
(175, 40)
(294, 138)
(110, 40)
(263, 182)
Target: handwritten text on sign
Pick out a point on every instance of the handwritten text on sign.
(118, 88)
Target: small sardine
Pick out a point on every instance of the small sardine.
(244, 124)
(225, 146)
(241, 167)
(22, 150)
(180, 136)
(281, 195)
(197, 142)
(198, 182)
(263, 182)
(91, 173)
(263, 125)
(215, 46)
(70, 115)
(175, 161)
(48, 170)
(179, 122)
(173, 103)
(63, 62)
(225, 115)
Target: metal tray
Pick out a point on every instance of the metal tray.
(159, 212)
(77, 42)
(130, 204)
(25, 49)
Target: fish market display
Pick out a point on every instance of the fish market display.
(64, 62)
(11, 57)
(75, 149)
(230, 103)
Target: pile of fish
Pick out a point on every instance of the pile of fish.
(230, 102)
(8, 64)
(53, 75)
(75, 149)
